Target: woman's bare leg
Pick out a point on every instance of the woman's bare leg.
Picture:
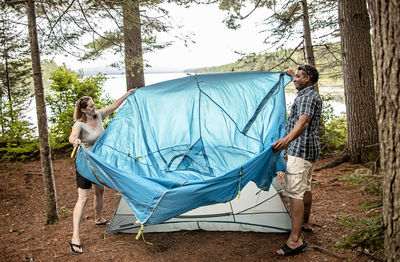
(98, 204)
(79, 210)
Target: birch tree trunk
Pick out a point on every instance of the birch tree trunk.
(386, 38)
(133, 44)
(45, 150)
(362, 141)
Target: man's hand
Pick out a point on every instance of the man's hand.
(291, 73)
(280, 145)
(297, 130)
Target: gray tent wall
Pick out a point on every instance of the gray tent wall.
(255, 210)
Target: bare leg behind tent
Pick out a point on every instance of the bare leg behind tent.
(98, 205)
(79, 210)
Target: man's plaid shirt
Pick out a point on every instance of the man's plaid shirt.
(307, 146)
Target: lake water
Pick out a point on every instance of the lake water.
(115, 86)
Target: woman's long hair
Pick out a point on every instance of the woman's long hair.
(82, 103)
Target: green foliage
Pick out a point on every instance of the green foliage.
(63, 211)
(66, 88)
(16, 131)
(333, 133)
(48, 67)
(100, 45)
(367, 233)
(365, 180)
(23, 152)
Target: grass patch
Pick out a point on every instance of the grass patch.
(366, 233)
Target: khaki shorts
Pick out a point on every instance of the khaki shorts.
(298, 177)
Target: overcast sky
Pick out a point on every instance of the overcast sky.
(215, 44)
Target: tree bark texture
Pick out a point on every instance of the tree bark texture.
(45, 150)
(386, 38)
(307, 38)
(358, 80)
(133, 44)
(307, 34)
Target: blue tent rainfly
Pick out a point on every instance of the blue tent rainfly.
(189, 142)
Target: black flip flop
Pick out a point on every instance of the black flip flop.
(72, 248)
(102, 223)
(287, 251)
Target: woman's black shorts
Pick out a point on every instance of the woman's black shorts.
(82, 182)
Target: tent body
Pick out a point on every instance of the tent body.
(254, 210)
(190, 142)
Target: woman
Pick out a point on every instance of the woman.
(87, 129)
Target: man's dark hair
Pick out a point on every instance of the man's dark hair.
(311, 71)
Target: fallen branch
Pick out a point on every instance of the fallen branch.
(344, 157)
(375, 209)
(370, 255)
(327, 252)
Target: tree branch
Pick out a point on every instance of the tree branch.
(287, 58)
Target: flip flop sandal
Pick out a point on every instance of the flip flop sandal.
(72, 248)
(102, 223)
(287, 251)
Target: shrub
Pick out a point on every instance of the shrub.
(367, 233)
(66, 88)
(25, 151)
(333, 133)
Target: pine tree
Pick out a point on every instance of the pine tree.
(45, 149)
(386, 39)
(362, 141)
(124, 28)
(15, 90)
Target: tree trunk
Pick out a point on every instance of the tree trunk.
(7, 84)
(45, 150)
(362, 142)
(386, 35)
(133, 44)
(307, 37)
(10, 106)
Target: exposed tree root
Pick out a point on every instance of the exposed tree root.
(344, 157)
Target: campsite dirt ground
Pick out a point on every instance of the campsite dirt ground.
(24, 235)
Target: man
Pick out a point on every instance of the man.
(303, 146)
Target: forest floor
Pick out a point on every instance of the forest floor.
(24, 235)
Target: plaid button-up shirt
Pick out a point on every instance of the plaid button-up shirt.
(307, 146)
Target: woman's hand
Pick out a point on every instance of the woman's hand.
(76, 142)
(111, 108)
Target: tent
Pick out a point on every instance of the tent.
(191, 142)
(255, 210)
